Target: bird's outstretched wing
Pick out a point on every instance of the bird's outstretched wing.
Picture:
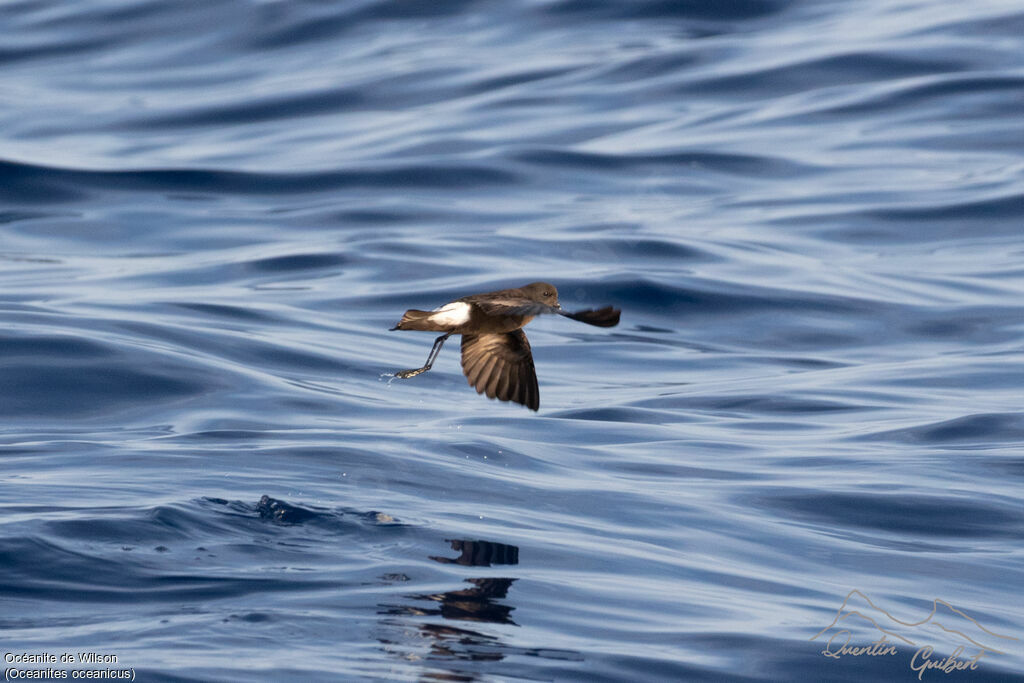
(512, 305)
(501, 366)
(601, 317)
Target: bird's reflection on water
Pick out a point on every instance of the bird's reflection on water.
(476, 603)
(481, 554)
(483, 601)
(430, 627)
(467, 604)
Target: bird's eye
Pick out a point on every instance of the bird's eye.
(547, 293)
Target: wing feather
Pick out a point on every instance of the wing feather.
(530, 391)
(501, 365)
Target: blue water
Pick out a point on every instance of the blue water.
(810, 213)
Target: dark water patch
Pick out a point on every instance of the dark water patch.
(100, 576)
(25, 183)
(731, 164)
(285, 27)
(51, 50)
(893, 542)
(978, 430)
(803, 364)
(502, 82)
(291, 106)
(647, 295)
(994, 217)
(21, 558)
(78, 388)
(945, 327)
(610, 230)
(680, 472)
(392, 93)
(300, 262)
(28, 183)
(775, 426)
(638, 415)
(18, 216)
(218, 435)
(828, 71)
(227, 312)
(728, 10)
(59, 347)
(752, 405)
(901, 515)
(971, 325)
(141, 527)
(963, 214)
(423, 216)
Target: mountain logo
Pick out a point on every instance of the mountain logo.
(943, 629)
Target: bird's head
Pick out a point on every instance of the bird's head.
(542, 292)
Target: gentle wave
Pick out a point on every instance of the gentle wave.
(212, 216)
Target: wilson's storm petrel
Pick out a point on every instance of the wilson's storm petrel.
(496, 356)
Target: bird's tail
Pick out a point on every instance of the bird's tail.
(418, 320)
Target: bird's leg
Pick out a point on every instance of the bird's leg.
(438, 343)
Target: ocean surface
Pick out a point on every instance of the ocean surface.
(808, 429)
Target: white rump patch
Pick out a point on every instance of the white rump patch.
(453, 314)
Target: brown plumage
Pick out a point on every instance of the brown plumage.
(496, 357)
(501, 366)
